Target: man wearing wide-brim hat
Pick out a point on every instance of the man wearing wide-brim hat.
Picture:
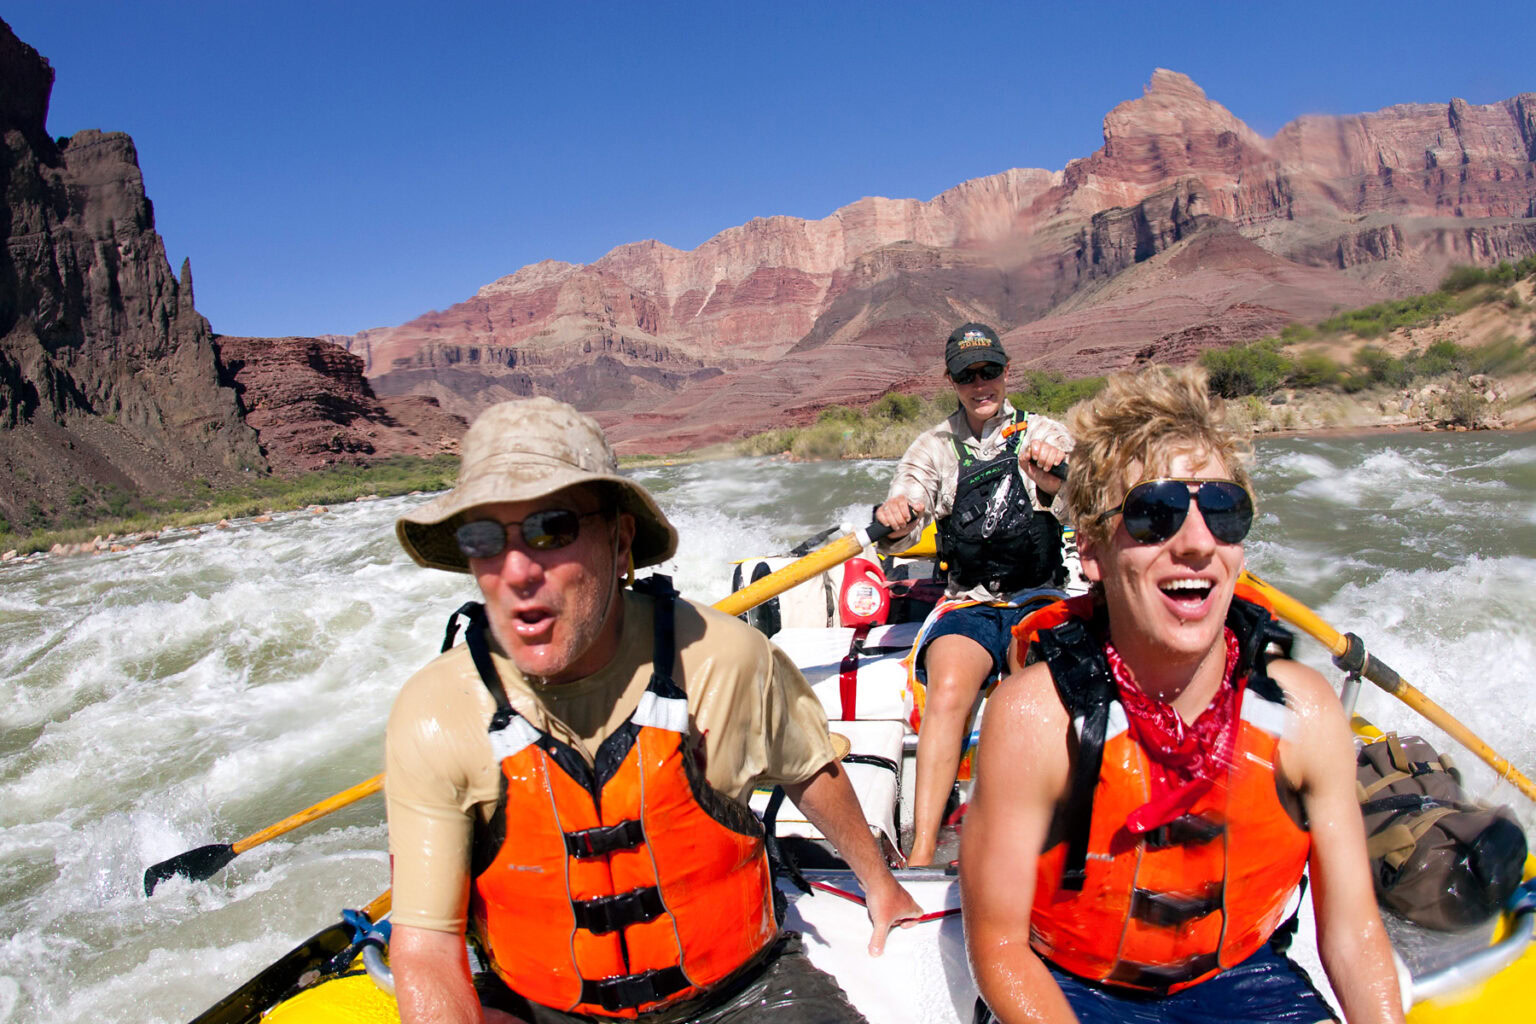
(569, 784)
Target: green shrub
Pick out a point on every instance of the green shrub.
(1459, 279)
(827, 439)
(838, 414)
(897, 408)
(1463, 406)
(1256, 368)
(1052, 393)
(1501, 355)
(1315, 370)
(1443, 356)
(772, 442)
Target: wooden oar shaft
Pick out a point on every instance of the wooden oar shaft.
(1383, 675)
(367, 787)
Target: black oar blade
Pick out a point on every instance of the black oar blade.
(196, 864)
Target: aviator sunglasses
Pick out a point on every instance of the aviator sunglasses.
(543, 531)
(991, 371)
(1155, 510)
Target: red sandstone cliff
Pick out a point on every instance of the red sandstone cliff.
(1186, 230)
(311, 407)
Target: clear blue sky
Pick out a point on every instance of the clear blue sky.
(330, 167)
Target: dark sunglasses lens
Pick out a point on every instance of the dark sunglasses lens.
(1227, 509)
(483, 538)
(991, 371)
(1154, 511)
(550, 529)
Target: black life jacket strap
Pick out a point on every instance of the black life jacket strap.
(468, 609)
(607, 914)
(480, 654)
(1081, 674)
(664, 638)
(631, 990)
(604, 839)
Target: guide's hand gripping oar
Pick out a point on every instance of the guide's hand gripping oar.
(205, 861)
(1349, 653)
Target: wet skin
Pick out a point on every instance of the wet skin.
(556, 614)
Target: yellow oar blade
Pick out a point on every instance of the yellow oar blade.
(1383, 675)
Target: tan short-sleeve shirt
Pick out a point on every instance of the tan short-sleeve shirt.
(755, 716)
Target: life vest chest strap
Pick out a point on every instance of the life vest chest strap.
(1185, 830)
(631, 990)
(605, 839)
(1160, 978)
(610, 913)
(1171, 910)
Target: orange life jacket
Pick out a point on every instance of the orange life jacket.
(1165, 910)
(619, 890)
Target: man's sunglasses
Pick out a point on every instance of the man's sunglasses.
(543, 531)
(989, 371)
(1154, 510)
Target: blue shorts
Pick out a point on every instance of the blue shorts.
(1267, 987)
(988, 625)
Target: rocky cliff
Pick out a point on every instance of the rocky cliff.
(311, 406)
(1185, 230)
(108, 375)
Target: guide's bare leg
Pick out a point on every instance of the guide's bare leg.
(956, 668)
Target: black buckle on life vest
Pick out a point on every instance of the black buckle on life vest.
(1185, 830)
(610, 913)
(605, 839)
(1162, 977)
(631, 990)
(1170, 910)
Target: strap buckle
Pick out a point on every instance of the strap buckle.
(610, 913)
(605, 839)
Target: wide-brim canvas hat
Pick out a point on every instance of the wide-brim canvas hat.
(519, 451)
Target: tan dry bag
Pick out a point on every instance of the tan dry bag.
(1440, 859)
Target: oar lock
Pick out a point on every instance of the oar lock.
(1357, 661)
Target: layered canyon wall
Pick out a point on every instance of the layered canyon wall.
(1185, 230)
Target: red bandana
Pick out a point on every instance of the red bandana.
(1185, 758)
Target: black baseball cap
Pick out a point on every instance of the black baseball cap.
(973, 343)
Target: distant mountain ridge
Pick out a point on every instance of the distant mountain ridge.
(1186, 229)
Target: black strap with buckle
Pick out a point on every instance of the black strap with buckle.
(628, 991)
(610, 913)
(1185, 830)
(605, 839)
(1170, 910)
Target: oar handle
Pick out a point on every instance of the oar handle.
(351, 795)
(1350, 654)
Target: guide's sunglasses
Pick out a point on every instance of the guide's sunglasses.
(1154, 510)
(543, 531)
(991, 371)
